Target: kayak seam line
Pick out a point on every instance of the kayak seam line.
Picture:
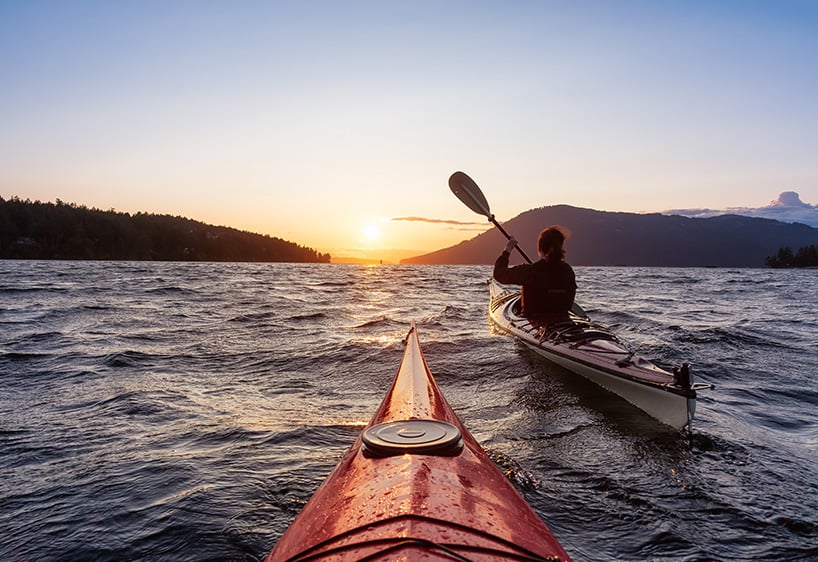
(311, 554)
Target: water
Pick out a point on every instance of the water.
(166, 411)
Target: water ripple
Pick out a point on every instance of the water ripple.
(166, 411)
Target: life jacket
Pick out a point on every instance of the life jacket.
(550, 289)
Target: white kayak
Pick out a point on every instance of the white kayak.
(594, 352)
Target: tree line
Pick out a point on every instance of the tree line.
(36, 230)
(806, 256)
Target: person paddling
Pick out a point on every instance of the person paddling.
(548, 285)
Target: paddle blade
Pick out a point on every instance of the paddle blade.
(467, 191)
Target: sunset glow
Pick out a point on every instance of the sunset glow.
(337, 128)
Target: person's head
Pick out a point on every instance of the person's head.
(550, 243)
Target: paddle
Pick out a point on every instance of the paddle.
(469, 193)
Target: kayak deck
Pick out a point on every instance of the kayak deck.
(594, 352)
(416, 485)
(402, 538)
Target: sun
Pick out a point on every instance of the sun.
(371, 232)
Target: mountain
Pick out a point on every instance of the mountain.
(613, 238)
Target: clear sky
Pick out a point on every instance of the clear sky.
(322, 121)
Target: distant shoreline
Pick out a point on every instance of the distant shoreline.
(378, 263)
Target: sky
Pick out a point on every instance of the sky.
(327, 123)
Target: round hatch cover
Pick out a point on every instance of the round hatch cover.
(421, 437)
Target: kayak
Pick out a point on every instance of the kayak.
(416, 485)
(594, 352)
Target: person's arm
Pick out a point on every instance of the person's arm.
(502, 273)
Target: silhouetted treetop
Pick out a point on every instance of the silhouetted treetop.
(806, 256)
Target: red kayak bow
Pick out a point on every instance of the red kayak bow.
(416, 485)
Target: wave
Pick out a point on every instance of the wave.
(15, 356)
(254, 318)
(379, 322)
(171, 290)
(307, 317)
(126, 359)
(135, 424)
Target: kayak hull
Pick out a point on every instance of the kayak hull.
(384, 504)
(593, 352)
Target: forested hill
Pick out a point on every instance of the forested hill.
(631, 239)
(35, 230)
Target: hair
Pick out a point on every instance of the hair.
(550, 243)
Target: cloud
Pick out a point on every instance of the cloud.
(469, 225)
(787, 208)
(790, 199)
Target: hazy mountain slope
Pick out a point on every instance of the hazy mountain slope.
(607, 238)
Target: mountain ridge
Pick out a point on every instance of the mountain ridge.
(633, 239)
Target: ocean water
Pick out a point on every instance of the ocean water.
(187, 411)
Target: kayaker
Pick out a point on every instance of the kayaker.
(549, 284)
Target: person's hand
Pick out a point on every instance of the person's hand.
(511, 244)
